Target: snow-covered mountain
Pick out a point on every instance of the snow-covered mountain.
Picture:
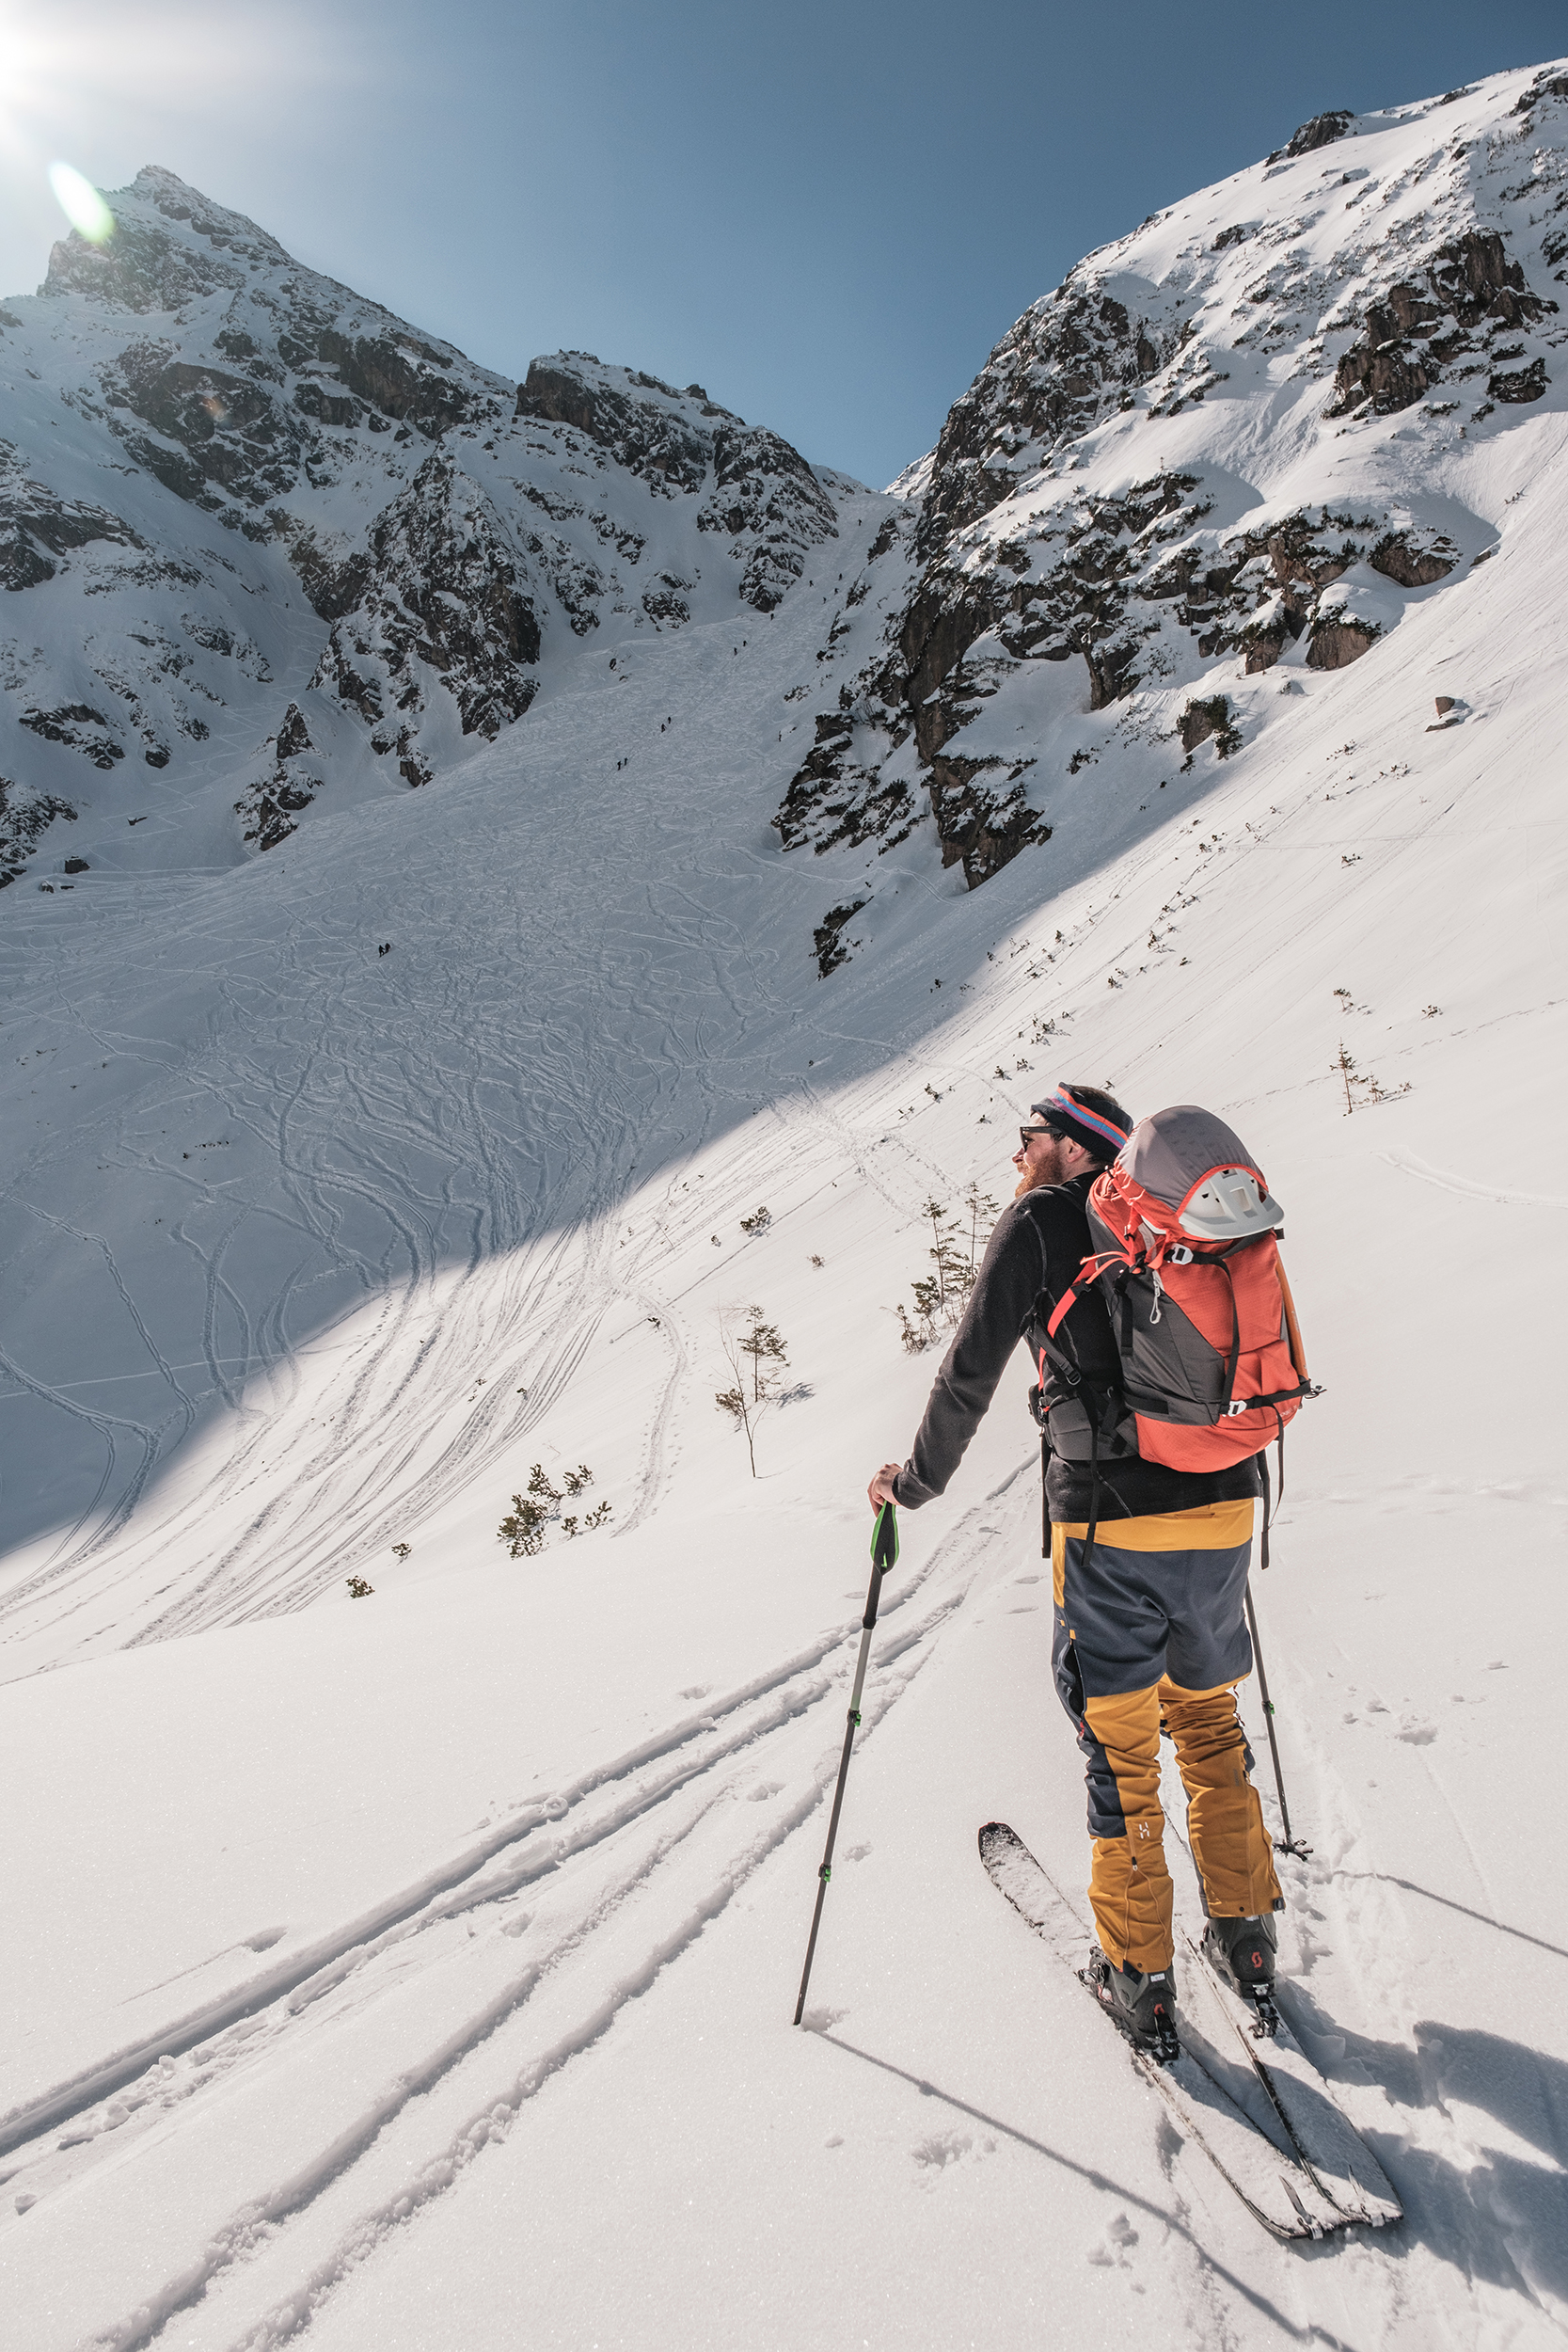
(268, 542)
(418, 1967)
(1221, 440)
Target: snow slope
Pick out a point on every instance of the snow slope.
(418, 1970)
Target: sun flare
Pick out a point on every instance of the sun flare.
(81, 203)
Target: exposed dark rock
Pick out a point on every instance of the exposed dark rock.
(76, 865)
(171, 467)
(1101, 578)
(22, 817)
(140, 268)
(1397, 558)
(1070, 587)
(270, 806)
(294, 736)
(228, 429)
(1321, 132)
(665, 602)
(1522, 384)
(887, 537)
(334, 585)
(1109, 672)
(828, 937)
(311, 400)
(761, 493)
(80, 728)
(444, 606)
(33, 519)
(1204, 721)
(1071, 359)
(1545, 86)
(770, 502)
(414, 389)
(979, 826)
(662, 445)
(833, 802)
(1336, 642)
(1411, 336)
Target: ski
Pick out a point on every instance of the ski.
(1322, 2133)
(1258, 2164)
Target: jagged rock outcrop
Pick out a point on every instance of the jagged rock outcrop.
(832, 947)
(240, 425)
(36, 526)
(1321, 132)
(1471, 291)
(1041, 540)
(444, 606)
(768, 501)
(1413, 562)
(1071, 358)
(1200, 460)
(79, 728)
(760, 495)
(1203, 721)
(645, 425)
(1337, 642)
(271, 804)
(24, 818)
(458, 545)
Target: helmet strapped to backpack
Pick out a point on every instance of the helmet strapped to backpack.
(1187, 1262)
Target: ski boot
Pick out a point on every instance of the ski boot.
(1241, 1954)
(1143, 2007)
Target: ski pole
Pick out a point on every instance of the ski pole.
(885, 1552)
(1288, 1844)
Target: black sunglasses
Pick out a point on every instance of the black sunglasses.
(1027, 1134)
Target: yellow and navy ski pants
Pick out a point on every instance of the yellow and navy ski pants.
(1153, 1635)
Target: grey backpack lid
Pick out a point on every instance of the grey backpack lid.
(1170, 1155)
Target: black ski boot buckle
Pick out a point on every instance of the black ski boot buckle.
(1152, 2033)
(1260, 1999)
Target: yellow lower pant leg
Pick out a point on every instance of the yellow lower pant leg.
(1225, 1821)
(1129, 1890)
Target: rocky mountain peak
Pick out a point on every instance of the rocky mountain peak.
(238, 490)
(1235, 439)
(764, 497)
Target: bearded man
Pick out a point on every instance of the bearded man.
(1149, 1572)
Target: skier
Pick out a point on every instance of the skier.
(1150, 1627)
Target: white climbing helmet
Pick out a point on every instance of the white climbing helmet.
(1200, 1170)
(1230, 1204)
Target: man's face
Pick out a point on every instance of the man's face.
(1041, 1159)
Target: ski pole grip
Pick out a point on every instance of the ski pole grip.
(884, 1555)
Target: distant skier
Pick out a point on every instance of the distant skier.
(1150, 1627)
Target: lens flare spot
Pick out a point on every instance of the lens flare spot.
(81, 203)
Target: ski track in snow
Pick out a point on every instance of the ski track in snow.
(584, 1866)
(540, 1195)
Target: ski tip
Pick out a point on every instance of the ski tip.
(997, 1834)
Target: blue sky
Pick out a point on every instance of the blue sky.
(827, 214)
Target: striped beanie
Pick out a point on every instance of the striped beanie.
(1066, 1115)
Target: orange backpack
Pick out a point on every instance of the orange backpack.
(1188, 1265)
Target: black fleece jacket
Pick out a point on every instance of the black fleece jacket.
(1039, 1244)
